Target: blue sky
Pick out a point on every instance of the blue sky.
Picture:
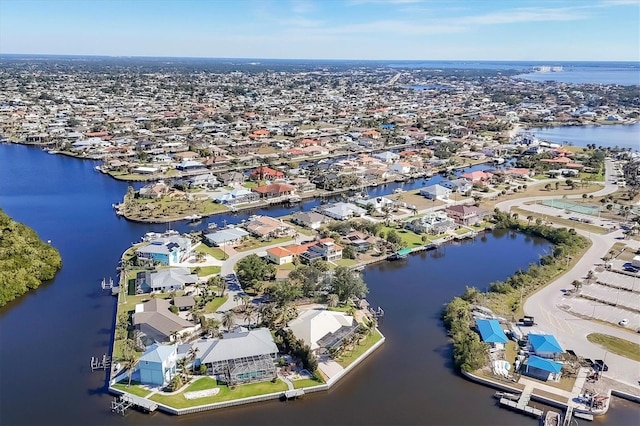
(607, 30)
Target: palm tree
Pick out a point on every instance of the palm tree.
(332, 300)
(130, 365)
(577, 284)
(128, 348)
(192, 355)
(529, 219)
(182, 365)
(228, 320)
(249, 310)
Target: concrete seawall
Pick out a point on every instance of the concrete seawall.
(266, 397)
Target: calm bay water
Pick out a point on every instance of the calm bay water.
(620, 135)
(48, 336)
(624, 75)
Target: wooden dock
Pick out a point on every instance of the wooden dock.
(121, 404)
(522, 404)
(293, 394)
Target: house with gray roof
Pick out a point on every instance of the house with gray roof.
(237, 358)
(342, 211)
(158, 324)
(459, 185)
(227, 236)
(311, 220)
(436, 192)
(432, 223)
(164, 280)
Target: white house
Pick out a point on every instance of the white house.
(343, 211)
(401, 167)
(437, 192)
(321, 329)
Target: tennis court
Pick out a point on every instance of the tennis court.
(589, 209)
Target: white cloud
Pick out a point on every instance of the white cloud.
(529, 14)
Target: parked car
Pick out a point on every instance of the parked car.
(624, 322)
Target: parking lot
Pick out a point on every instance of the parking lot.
(601, 311)
(611, 295)
(615, 279)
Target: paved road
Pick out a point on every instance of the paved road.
(572, 331)
(229, 265)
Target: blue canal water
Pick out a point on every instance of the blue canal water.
(613, 135)
(49, 335)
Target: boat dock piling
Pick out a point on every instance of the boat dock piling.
(107, 285)
(122, 403)
(100, 364)
(567, 416)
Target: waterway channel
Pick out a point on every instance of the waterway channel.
(49, 335)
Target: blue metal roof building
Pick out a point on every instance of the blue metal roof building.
(543, 369)
(544, 345)
(490, 331)
(544, 364)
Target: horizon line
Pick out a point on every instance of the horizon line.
(95, 55)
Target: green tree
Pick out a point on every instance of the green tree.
(252, 269)
(349, 252)
(228, 320)
(346, 283)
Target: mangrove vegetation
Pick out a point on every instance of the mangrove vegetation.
(25, 260)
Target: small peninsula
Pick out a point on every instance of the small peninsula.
(25, 260)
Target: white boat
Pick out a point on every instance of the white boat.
(507, 395)
(151, 236)
(212, 225)
(193, 217)
(552, 418)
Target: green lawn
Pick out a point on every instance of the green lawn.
(132, 301)
(202, 384)
(409, 239)
(212, 207)
(347, 359)
(216, 252)
(203, 271)
(346, 262)
(616, 345)
(253, 243)
(214, 305)
(287, 266)
(306, 383)
(225, 394)
(134, 389)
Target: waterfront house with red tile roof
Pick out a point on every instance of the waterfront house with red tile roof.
(274, 190)
(279, 255)
(477, 176)
(265, 172)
